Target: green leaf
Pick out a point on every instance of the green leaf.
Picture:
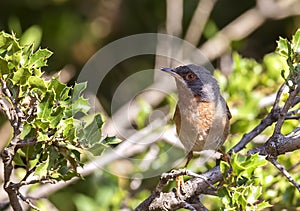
(39, 58)
(263, 205)
(2, 39)
(282, 47)
(18, 160)
(225, 195)
(42, 124)
(26, 130)
(111, 140)
(3, 67)
(97, 149)
(56, 116)
(33, 162)
(66, 174)
(224, 166)
(68, 127)
(58, 88)
(44, 108)
(77, 91)
(81, 105)
(53, 157)
(92, 132)
(296, 41)
(21, 76)
(253, 162)
(42, 168)
(36, 82)
(42, 137)
(236, 162)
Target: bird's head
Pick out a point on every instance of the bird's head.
(196, 79)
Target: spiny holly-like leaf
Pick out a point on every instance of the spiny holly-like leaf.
(245, 166)
(21, 76)
(44, 108)
(8, 43)
(253, 162)
(42, 124)
(282, 47)
(224, 193)
(3, 67)
(36, 82)
(224, 166)
(68, 128)
(59, 135)
(53, 157)
(56, 116)
(39, 58)
(59, 89)
(81, 105)
(42, 137)
(93, 131)
(97, 149)
(236, 162)
(77, 91)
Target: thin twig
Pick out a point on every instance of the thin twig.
(26, 142)
(278, 96)
(283, 171)
(268, 121)
(27, 200)
(188, 206)
(284, 110)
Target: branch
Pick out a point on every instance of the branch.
(284, 172)
(277, 145)
(8, 153)
(292, 94)
(170, 201)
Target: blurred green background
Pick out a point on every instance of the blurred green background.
(74, 30)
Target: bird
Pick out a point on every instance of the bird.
(202, 115)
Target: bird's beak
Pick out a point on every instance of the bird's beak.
(172, 72)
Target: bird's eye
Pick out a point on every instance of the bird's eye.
(190, 77)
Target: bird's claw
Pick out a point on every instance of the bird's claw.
(180, 188)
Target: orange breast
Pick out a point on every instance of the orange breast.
(193, 120)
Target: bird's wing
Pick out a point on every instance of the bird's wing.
(177, 119)
(228, 112)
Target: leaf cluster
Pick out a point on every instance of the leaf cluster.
(291, 52)
(241, 190)
(53, 133)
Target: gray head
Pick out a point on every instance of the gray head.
(197, 79)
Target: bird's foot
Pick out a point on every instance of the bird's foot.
(181, 188)
(225, 157)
